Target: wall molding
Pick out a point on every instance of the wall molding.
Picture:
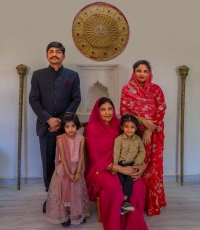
(39, 180)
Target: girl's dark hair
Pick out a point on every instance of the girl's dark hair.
(131, 118)
(103, 100)
(56, 45)
(142, 62)
(67, 117)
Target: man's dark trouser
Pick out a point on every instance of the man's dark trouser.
(126, 181)
(48, 152)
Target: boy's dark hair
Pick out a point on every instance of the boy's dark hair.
(142, 62)
(131, 118)
(103, 100)
(67, 117)
(56, 45)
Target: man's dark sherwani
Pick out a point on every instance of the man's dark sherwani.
(52, 93)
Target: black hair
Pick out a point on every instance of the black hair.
(131, 118)
(142, 62)
(103, 100)
(56, 45)
(67, 117)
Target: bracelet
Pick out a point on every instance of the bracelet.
(140, 119)
(148, 132)
(78, 175)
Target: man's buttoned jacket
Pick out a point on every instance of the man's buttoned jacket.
(53, 93)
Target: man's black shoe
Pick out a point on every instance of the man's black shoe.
(66, 223)
(44, 207)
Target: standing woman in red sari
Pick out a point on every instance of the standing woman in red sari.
(141, 98)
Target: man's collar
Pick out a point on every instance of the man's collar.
(52, 69)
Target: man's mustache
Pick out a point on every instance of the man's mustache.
(54, 57)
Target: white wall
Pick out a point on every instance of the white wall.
(164, 32)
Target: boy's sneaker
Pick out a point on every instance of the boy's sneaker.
(123, 211)
(127, 206)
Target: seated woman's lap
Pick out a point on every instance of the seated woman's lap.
(135, 220)
(111, 197)
(138, 195)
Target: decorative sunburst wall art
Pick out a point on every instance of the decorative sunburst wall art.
(100, 31)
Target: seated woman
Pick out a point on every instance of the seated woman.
(102, 129)
(141, 98)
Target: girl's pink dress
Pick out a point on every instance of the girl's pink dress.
(100, 182)
(67, 199)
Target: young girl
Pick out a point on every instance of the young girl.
(128, 150)
(67, 200)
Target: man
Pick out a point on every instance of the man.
(54, 91)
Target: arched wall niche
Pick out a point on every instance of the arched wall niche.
(94, 92)
(97, 81)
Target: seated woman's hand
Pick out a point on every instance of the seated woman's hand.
(149, 124)
(127, 170)
(140, 170)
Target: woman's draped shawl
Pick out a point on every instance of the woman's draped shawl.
(99, 141)
(147, 102)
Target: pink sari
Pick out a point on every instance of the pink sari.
(100, 182)
(149, 103)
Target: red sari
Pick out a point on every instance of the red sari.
(100, 182)
(149, 102)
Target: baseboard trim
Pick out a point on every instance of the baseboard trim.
(24, 180)
(39, 180)
(187, 178)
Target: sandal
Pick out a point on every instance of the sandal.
(66, 223)
(83, 221)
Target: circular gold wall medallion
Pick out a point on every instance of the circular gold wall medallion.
(100, 31)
